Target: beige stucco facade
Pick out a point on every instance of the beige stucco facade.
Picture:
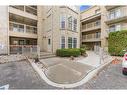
(37, 25)
(112, 18)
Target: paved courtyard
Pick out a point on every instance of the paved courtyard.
(20, 75)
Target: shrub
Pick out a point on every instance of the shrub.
(117, 42)
(68, 52)
(82, 50)
(83, 46)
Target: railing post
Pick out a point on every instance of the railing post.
(38, 51)
(24, 8)
(22, 49)
(30, 50)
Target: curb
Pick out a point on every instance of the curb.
(88, 77)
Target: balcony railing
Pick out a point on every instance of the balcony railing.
(27, 50)
(28, 9)
(117, 14)
(114, 30)
(18, 27)
(91, 37)
(91, 26)
(124, 27)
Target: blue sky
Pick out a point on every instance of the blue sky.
(84, 7)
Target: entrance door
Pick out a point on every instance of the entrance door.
(49, 45)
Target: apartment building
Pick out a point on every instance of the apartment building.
(50, 27)
(91, 27)
(61, 27)
(98, 21)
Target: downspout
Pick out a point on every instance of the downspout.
(8, 47)
(52, 29)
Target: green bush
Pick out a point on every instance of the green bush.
(117, 42)
(68, 52)
(82, 50)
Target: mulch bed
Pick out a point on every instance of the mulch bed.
(116, 61)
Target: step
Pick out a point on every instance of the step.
(47, 56)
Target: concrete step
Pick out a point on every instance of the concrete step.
(44, 56)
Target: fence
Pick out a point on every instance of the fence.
(28, 50)
(104, 55)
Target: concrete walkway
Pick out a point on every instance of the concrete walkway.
(92, 59)
(64, 71)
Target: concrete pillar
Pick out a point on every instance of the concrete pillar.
(4, 34)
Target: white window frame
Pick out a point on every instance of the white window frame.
(62, 19)
(74, 39)
(70, 24)
(61, 42)
(75, 25)
(70, 43)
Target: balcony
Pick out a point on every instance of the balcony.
(117, 15)
(91, 26)
(91, 18)
(18, 29)
(25, 11)
(91, 38)
(29, 9)
(110, 7)
(123, 27)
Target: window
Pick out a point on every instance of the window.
(49, 41)
(49, 22)
(97, 23)
(114, 14)
(118, 27)
(75, 24)
(117, 13)
(97, 11)
(97, 35)
(75, 43)
(62, 42)
(28, 42)
(62, 21)
(70, 23)
(18, 28)
(111, 14)
(69, 42)
(114, 28)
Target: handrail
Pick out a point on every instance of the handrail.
(21, 24)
